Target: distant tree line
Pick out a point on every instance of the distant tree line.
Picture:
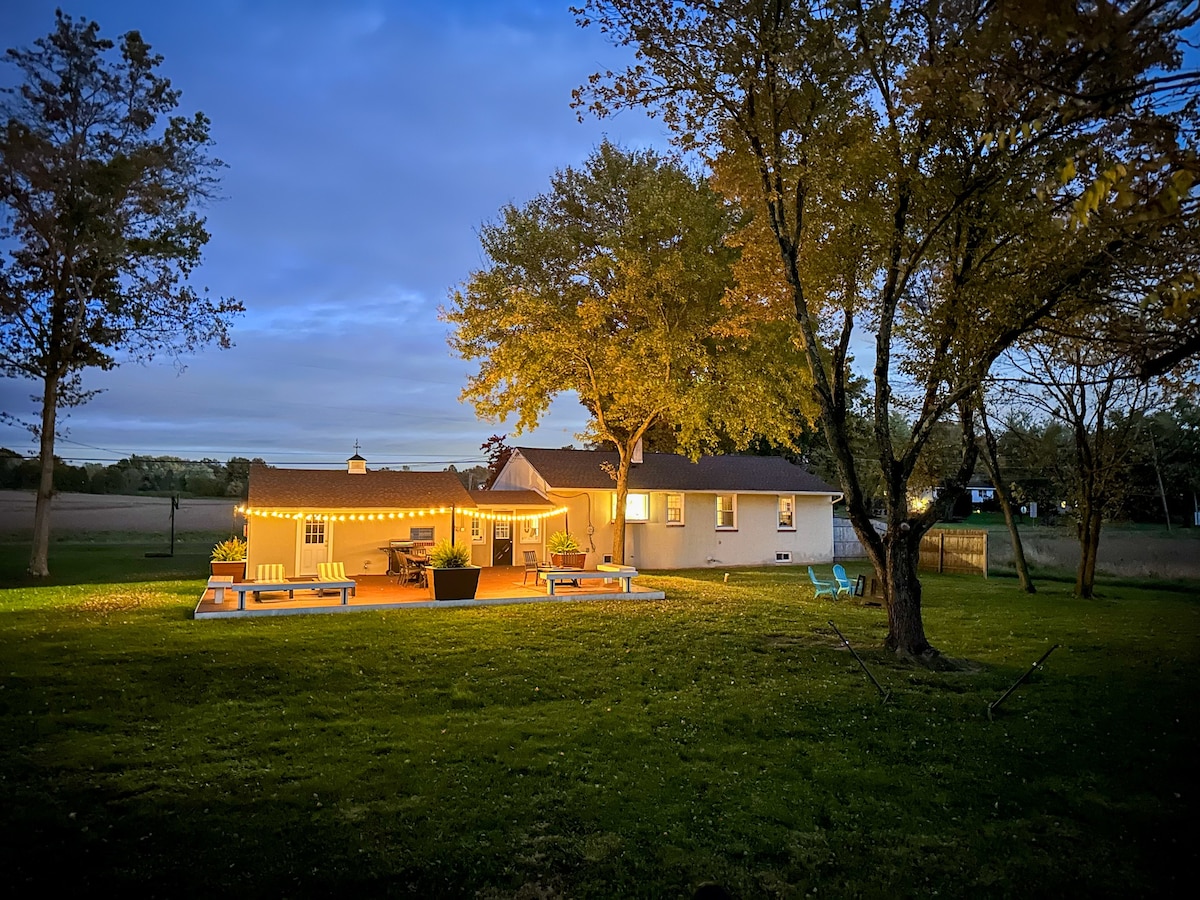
(135, 475)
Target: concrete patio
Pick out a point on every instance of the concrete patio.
(498, 585)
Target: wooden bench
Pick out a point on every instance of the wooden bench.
(218, 584)
(623, 574)
(258, 587)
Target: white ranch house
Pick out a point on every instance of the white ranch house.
(719, 510)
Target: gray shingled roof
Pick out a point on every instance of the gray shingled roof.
(316, 489)
(581, 469)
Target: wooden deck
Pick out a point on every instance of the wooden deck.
(497, 585)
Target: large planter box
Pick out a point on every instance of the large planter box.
(453, 584)
(569, 560)
(234, 570)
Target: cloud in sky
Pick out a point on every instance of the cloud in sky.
(365, 142)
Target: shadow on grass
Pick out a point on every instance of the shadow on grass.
(106, 563)
(1040, 575)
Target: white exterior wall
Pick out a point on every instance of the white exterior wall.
(355, 544)
(695, 544)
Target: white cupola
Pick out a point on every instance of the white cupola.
(356, 465)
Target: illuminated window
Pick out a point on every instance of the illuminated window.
(674, 509)
(637, 507)
(476, 531)
(726, 512)
(787, 513)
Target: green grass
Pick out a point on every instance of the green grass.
(591, 750)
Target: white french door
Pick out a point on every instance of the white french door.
(314, 547)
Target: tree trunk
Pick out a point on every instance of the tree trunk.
(902, 590)
(618, 550)
(39, 557)
(1015, 536)
(991, 461)
(1089, 546)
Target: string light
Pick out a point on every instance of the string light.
(379, 516)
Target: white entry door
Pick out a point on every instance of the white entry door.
(314, 549)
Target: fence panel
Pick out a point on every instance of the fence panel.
(964, 551)
(846, 544)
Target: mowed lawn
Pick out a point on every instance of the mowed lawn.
(610, 749)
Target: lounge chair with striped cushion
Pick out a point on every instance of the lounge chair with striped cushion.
(334, 571)
(272, 573)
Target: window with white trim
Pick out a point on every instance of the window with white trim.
(674, 509)
(726, 512)
(637, 507)
(787, 513)
(477, 531)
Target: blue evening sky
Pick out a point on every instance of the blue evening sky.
(366, 143)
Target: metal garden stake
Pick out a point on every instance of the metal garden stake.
(884, 694)
(1017, 683)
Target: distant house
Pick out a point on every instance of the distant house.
(719, 510)
(302, 517)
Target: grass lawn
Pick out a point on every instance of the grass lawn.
(597, 749)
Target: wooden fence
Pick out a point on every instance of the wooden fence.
(942, 550)
(964, 551)
(846, 544)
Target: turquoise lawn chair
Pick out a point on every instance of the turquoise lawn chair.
(820, 587)
(843, 581)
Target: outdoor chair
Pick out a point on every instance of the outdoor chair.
(272, 572)
(395, 563)
(411, 570)
(844, 585)
(333, 571)
(531, 565)
(820, 587)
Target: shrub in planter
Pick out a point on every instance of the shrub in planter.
(565, 550)
(229, 559)
(451, 575)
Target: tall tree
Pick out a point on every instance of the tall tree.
(612, 285)
(1102, 403)
(989, 453)
(99, 184)
(923, 169)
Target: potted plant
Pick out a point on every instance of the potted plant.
(564, 551)
(451, 575)
(229, 558)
